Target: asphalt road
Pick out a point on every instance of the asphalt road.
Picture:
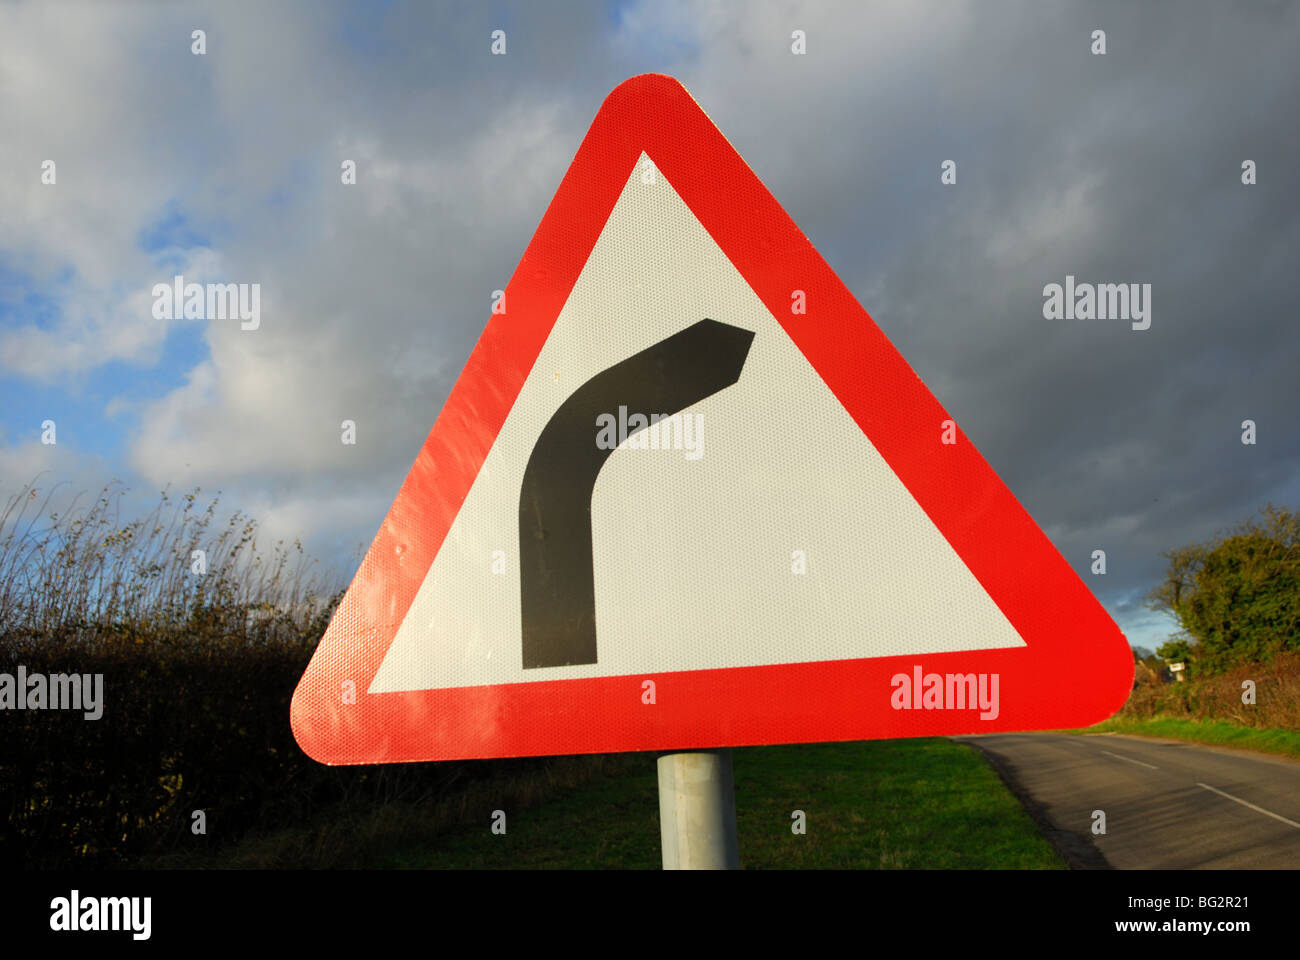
(1168, 805)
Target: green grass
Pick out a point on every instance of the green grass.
(903, 804)
(1216, 732)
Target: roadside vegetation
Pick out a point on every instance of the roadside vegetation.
(1237, 601)
(201, 632)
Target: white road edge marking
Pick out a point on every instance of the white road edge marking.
(1267, 813)
(1130, 760)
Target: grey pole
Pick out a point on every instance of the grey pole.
(697, 811)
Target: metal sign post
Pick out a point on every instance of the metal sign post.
(697, 811)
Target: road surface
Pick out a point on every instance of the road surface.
(1168, 805)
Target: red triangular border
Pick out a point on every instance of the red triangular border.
(1075, 669)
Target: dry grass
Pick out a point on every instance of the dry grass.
(85, 575)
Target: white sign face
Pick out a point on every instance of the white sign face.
(770, 531)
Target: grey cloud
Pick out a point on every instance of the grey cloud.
(1118, 168)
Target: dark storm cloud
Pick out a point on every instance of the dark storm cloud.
(1115, 169)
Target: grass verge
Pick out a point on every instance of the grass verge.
(1215, 732)
(904, 804)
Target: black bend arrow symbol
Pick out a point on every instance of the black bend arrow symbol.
(555, 564)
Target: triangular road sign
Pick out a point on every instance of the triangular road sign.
(804, 549)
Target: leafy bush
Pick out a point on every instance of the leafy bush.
(1237, 598)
